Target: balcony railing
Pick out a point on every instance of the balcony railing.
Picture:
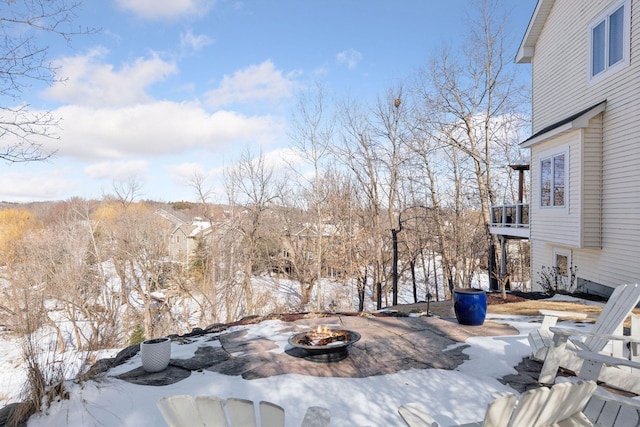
(510, 219)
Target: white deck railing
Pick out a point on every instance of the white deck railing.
(506, 218)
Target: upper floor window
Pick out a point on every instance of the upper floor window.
(552, 181)
(610, 37)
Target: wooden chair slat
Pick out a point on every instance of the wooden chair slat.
(271, 415)
(211, 410)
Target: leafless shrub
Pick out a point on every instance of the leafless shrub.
(552, 281)
(46, 373)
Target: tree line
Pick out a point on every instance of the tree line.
(376, 195)
(393, 193)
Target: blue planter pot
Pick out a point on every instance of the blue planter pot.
(470, 306)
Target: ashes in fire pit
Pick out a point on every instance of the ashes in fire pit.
(324, 344)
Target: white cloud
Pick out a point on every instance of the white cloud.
(35, 185)
(166, 9)
(155, 129)
(117, 171)
(289, 162)
(184, 173)
(284, 158)
(350, 58)
(91, 82)
(255, 83)
(192, 42)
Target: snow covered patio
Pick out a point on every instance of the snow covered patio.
(388, 345)
(449, 369)
(397, 360)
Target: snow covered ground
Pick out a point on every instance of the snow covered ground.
(459, 396)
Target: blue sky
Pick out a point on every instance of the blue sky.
(168, 88)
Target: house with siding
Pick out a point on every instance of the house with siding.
(184, 234)
(585, 144)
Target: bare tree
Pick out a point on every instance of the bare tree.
(104, 310)
(135, 239)
(299, 246)
(23, 62)
(73, 281)
(472, 96)
(346, 250)
(390, 123)
(312, 134)
(229, 252)
(126, 192)
(429, 175)
(360, 153)
(250, 188)
(204, 261)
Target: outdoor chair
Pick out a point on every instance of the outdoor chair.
(607, 409)
(558, 347)
(211, 411)
(561, 406)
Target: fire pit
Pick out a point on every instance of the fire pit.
(324, 344)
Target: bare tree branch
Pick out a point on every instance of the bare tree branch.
(23, 62)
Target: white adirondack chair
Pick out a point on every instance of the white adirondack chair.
(610, 410)
(559, 406)
(558, 346)
(606, 409)
(211, 411)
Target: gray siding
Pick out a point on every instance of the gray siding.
(591, 184)
(605, 241)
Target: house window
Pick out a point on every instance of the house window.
(553, 181)
(562, 262)
(610, 37)
(309, 256)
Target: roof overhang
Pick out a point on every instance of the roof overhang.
(579, 120)
(536, 23)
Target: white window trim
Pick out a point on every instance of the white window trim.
(626, 40)
(550, 154)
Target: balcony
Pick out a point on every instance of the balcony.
(510, 220)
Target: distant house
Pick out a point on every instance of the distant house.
(585, 146)
(298, 246)
(290, 252)
(184, 234)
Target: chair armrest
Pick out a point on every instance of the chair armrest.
(570, 332)
(557, 313)
(609, 360)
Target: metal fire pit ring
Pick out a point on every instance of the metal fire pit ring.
(334, 352)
